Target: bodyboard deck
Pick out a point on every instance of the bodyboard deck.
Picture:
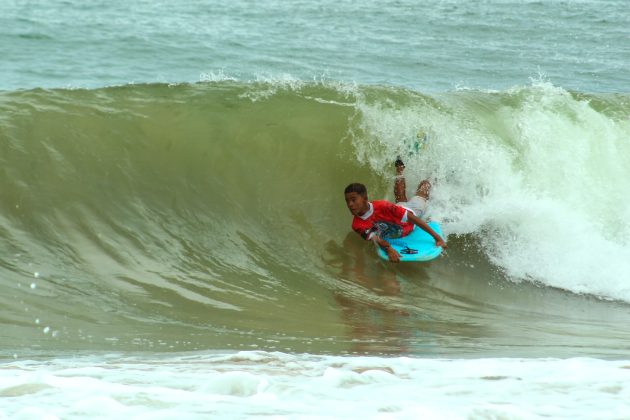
(417, 246)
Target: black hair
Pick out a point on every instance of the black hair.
(356, 187)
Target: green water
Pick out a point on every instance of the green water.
(211, 216)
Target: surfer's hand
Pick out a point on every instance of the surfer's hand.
(393, 255)
(441, 243)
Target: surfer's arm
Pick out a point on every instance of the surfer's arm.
(424, 226)
(393, 255)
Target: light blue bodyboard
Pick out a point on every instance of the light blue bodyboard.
(417, 246)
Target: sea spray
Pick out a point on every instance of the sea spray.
(536, 173)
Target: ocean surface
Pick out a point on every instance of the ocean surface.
(174, 240)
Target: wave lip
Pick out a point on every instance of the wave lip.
(535, 173)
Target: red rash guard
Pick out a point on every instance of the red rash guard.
(381, 211)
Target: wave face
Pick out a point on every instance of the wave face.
(212, 215)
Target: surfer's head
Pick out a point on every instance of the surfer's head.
(356, 198)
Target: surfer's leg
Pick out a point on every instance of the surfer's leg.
(400, 185)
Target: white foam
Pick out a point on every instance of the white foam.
(242, 385)
(216, 76)
(541, 180)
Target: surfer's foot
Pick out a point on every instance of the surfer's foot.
(424, 189)
(400, 166)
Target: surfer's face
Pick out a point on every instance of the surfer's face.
(357, 203)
